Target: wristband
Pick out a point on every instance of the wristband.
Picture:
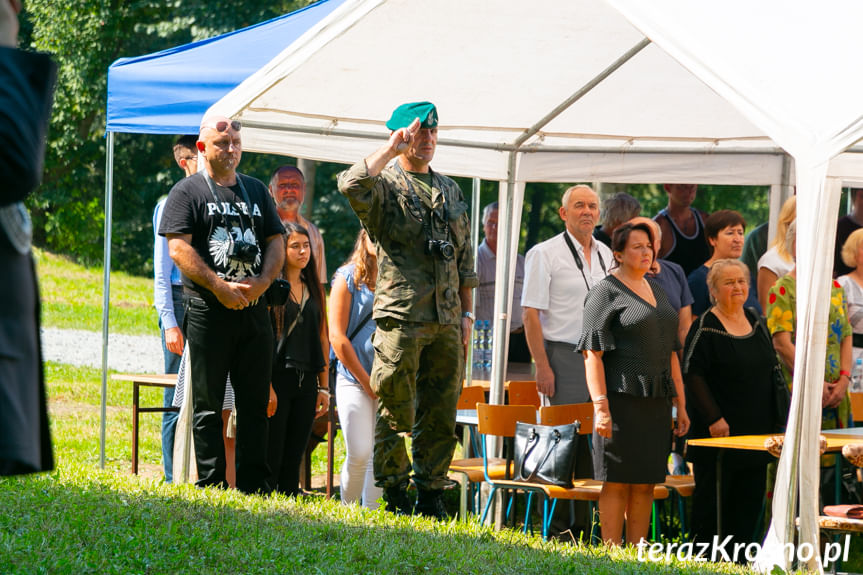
(468, 315)
(843, 372)
(324, 390)
(600, 398)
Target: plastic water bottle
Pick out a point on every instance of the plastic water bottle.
(486, 359)
(477, 347)
(857, 376)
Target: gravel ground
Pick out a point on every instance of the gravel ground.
(126, 353)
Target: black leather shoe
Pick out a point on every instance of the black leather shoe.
(430, 504)
(397, 500)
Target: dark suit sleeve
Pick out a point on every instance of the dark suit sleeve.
(26, 95)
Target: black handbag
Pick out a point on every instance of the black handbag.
(545, 454)
(781, 393)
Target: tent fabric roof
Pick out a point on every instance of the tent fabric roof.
(493, 75)
(168, 92)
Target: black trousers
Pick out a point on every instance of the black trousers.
(239, 342)
(743, 482)
(291, 427)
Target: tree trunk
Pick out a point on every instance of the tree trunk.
(308, 168)
(534, 219)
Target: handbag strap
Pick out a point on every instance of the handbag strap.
(360, 325)
(533, 442)
(303, 299)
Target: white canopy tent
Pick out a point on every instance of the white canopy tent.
(573, 90)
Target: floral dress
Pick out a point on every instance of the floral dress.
(781, 310)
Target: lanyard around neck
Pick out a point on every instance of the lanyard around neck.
(578, 263)
(245, 195)
(415, 199)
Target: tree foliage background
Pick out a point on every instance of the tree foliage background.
(86, 36)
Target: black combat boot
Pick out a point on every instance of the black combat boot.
(396, 497)
(430, 503)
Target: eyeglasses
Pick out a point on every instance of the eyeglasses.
(222, 125)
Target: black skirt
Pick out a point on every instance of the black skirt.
(638, 449)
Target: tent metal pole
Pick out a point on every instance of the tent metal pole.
(503, 289)
(560, 108)
(106, 291)
(474, 236)
(710, 146)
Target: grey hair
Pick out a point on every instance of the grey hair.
(619, 208)
(486, 211)
(565, 199)
(717, 268)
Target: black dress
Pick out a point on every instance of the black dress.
(728, 376)
(637, 340)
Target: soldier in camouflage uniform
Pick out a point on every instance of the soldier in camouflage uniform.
(418, 220)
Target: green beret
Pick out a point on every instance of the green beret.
(404, 115)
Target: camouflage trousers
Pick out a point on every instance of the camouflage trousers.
(417, 374)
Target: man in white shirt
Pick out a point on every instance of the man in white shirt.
(486, 262)
(558, 274)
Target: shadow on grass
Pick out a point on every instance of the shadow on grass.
(82, 520)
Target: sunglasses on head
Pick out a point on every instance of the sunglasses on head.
(222, 125)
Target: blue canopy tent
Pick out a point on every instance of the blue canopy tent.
(168, 92)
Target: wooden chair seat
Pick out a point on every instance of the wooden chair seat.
(844, 524)
(473, 468)
(684, 485)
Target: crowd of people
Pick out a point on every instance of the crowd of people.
(657, 322)
(672, 327)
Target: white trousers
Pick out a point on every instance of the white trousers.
(357, 412)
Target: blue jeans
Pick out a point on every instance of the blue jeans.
(172, 365)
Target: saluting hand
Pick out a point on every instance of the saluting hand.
(401, 139)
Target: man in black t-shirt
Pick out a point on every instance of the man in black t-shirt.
(225, 236)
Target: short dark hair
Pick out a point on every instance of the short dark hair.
(623, 231)
(187, 142)
(721, 219)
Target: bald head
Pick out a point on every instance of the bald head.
(220, 145)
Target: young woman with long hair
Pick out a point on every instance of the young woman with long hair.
(298, 391)
(351, 329)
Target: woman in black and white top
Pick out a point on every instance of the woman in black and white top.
(629, 341)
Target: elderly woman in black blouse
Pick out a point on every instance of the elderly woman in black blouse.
(728, 366)
(633, 375)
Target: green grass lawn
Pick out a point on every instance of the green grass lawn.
(72, 298)
(82, 519)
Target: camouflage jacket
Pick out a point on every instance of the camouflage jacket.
(412, 284)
